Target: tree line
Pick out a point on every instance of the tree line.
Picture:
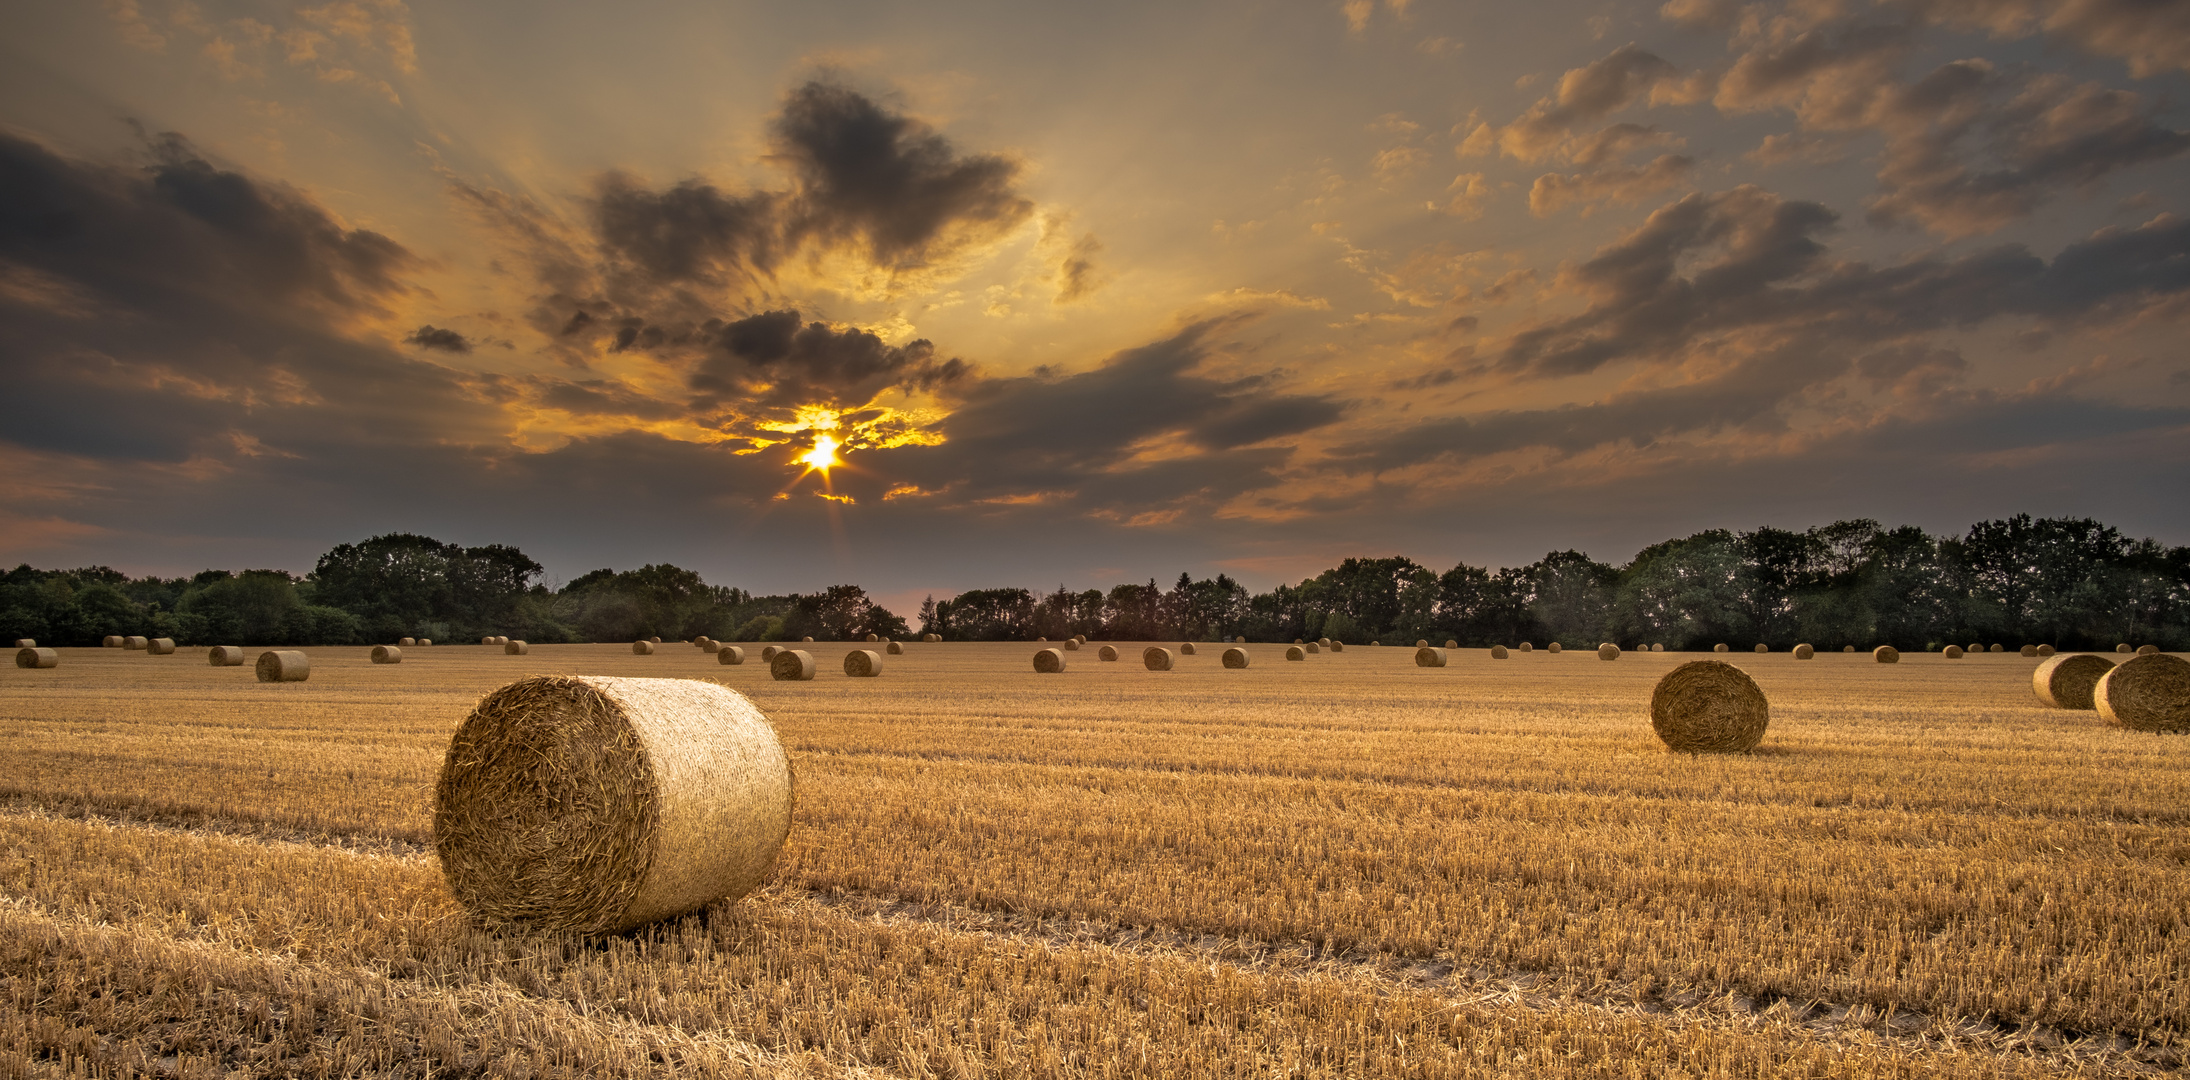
(2073, 583)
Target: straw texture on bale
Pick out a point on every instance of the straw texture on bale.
(134, 642)
(1235, 658)
(2070, 681)
(31, 656)
(160, 646)
(387, 654)
(1886, 654)
(1107, 652)
(1608, 651)
(1050, 661)
(710, 645)
(1804, 651)
(729, 654)
(2147, 650)
(1295, 652)
(1719, 648)
(1312, 647)
(1186, 648)
(1072, 645)
(2045, 650)
(863, 663)
(1552, 648)
(1952, 652)
(2149, 693)
(596, 804)
(1497, 652)
(2030, 650)
(642, 648)
(225, 656)
(792, 665)
(1427, 656)
(1156, 658)
(897, 648)
(1709, 707)
(112, 641)
(514, 648)
(284, 665)
(2123, 647)
(768, 652)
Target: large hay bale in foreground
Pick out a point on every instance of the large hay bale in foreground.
(1429, 657)
(514, 648)
(1156, 658)
(729, 654)
(2149, 693)
(642, 648)
(792, 665)
(160, 646)
(1295, 652)
(112, 641)
(1886, 654)
(387, 654)
(1952, 652)
(1186, 648)
(1497, 652)
(2147, 650)
(224, 656)
(863, 663)
(596, 804)
(1709, 706)
(31, 656)
(1804, 651)
(1050, 661)
(1235, 658)
(284, 665)
(896, 648)
(1608, 651)
(1107, 652)
(136, 643)
(2070, 681)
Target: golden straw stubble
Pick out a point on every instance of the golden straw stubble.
(2148, 693)
(596, 804)
(2068, 681)
(792, 665)
(1709, 706)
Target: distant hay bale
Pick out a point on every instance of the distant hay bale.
(1660, 647)
(1072, 645)
(1041, 639)
(160, 646)
(1107, 652)
(1719, 648)
(1186, 648)
(514, 648)
(1429, 657)
(642, 648)
(1847, 648)
(1312, 648)
(1080, 639)
(2123, 647)
(1421, 643)
(863, 663)
(1295, 652)
(655, 640)
(112, 641)
(729, 654)
(31, 656)
(2147, 650)
(710, 645)
(1050, 661)
(1886, 654)
(224, 656)
(2148, 693)
(792, 665)
(874, 637)
(1235, 658)
(1762, 647)
(807, 640)
(768, 654)
(1952, 652)
(1338, 646)
(931, 638)
(387, 654)
(2070, 681)
(489, 640)
(1300, 641)
(137, 643)
(703, 641)
(2045, 650)
(596, 804)
(1324, 641)
(1552, 648)
(1976, 647)
(2029, 650)
(1451, 644)
(1497, 652)
(1156, 658)
(405, 641)
(425, 641)
(1804, 651)
(284, 665)
(1525, 647)
(1608, 651)
(896, 648)
(1375, 644)
(1997, 647)
(1709, 707)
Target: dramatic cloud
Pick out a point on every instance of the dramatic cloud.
(772, 359)
(1584, 95)
(430, 336)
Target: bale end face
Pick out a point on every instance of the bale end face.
(1338, 646)
(1526, 647)
(1608, 651)
(1072, 645)
(1804, 651)
(224, 656)
(31, 656)
(1235, 658)
(1497, 652)
(1156, 658)
(1952, 652)
(1186, 648)
(642, 647)
(1421, 643)
(1709, 706)
(1050, 661)
(1107, 652)
(792, 665)
(1427, 656)
(1886, 654)
(768, 653)
(1552, 648)
(1451, 644)
(284, 665)
(1295, 652)
(387, 654)
(2071, 681)
(1312, 648)
(514, 648)
(729, 654)
(2029, 650)
(863, 663)
(2147, 693)
(896, 648)
(1720, 647)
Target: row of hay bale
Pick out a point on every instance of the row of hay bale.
(1155, 657)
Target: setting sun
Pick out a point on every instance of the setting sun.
(822, 457)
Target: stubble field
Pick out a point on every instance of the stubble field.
(1343, 867)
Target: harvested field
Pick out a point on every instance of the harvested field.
(1353, 867)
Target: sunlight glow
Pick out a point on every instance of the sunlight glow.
(822, 457)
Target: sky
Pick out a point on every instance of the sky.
(1079, 295)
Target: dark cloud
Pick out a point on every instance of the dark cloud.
(430, 336)
(775, 360)
(1586, 94)
(1077, 275)
(691, 232)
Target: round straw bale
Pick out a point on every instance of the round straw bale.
(768, 653)
(1952, 652)
(896, 648)
(1451, 644)
(874, 637)
(807, 640)
(1804, 651)
(1552, 648)
(729, 654)
(1762, 647)
(488, 640)
(792, 665)
(1041, 639)
(1107, 652)
(863, 663)
(1976, 647)
(655, 640)
(2147, 650)
(425, 641)
(2029, 650)
(1497, 652)
(1375, 644)
(135, 642)
(931, 638)
(224, 656)
(387, 654)
(31, 656)
(1660, 647)
(1719, 648)
(514, 648)
(1421, 643)
(1338, 646)
(1324, 642)
(1072, 645)
(284, 665)
(2068, 681)
(1300, 641)
(1997, 647)
(595, 804)
(2123, 647)
(1295, 652)
(1608, 651)
(1847, 648)
(2045, 651)
(1312, 648)
(711, 646)
(160, 646)
(112, 641)
(1186, 648)
(1525, 646)
(2148, 693)
(703, 641)
(642, 647)
(1886, 654)
(1156, 658)
(1049, 661)
(1429, 657)
(406, 641)
(1235, 658)
(1709, 706)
